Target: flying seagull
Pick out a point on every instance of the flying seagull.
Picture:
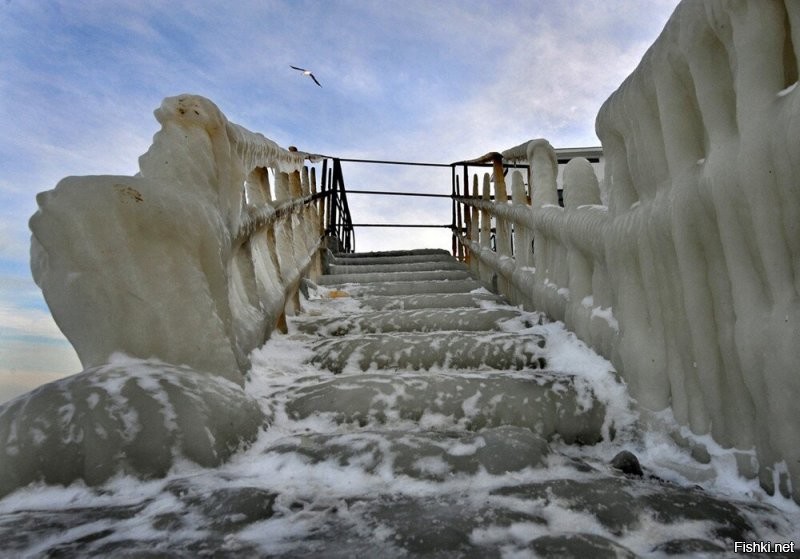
(306, 73)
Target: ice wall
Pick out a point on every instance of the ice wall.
(689, 280)
(182, 270)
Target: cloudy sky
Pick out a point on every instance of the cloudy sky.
(434, 81)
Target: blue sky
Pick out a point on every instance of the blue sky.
(427, 80)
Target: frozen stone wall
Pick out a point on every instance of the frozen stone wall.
(690, 279)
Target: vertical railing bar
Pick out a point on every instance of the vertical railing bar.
(454, 248)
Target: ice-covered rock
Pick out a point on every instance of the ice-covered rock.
(130, 416)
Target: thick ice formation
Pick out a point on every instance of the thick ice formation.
(130, 416)
(157, 265)
(189, 265)
(689, 281)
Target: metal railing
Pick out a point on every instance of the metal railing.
(339, 224)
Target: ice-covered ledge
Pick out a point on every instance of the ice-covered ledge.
(163, 264)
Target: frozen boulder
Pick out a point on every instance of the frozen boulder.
(131, 417)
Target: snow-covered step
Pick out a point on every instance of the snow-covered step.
(423, 455)
(395, 253)
(435, 275)
(418, 320)
(398, 288)
(431, 350)
(427, 266)
(430, 301)
(422, 252)
(364, 260)
(551, 405)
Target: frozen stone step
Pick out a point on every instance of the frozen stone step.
(418, 320)
(430, 301)
(407, 259)
(398, 267)
(426, 455)
(437, 275)
(410, 287)
(431, 350)
(436, 252)
(549, 404)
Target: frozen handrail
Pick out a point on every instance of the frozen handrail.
(197, 246)
(688, 279)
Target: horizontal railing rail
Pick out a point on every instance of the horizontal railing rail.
(340, 225)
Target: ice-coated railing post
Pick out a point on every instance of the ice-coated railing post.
(502, 226)
(467, 211)
(543, 165)
(257, 187)
(475, 229)
(314, 222)
(459, 248)
(580, 190)
(548, 256)
(503, 233)
(486, 227)
(522, 236)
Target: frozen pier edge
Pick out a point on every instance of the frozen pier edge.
(180, 289)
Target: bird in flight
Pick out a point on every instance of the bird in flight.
(306, 73)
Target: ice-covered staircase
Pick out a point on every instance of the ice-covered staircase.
(411, 413)
(417, 414)
(451, 342)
